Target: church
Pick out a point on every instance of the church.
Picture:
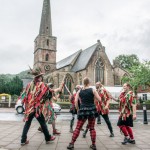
(91, 62)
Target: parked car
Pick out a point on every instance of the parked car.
(20, 108)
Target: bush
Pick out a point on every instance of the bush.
(147, 102)
(14, 97)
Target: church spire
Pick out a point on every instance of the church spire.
(45, 43)
(46, 24)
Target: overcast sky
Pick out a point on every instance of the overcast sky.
(122, 26)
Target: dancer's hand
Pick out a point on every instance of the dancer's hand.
(134, 116)
(106, 107)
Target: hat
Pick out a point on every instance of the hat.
(36, 72)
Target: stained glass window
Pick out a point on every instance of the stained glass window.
(68, 83)
(46, 57)
(99, 71)
(80, 78)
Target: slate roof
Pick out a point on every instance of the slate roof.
(68, 60)
(84, 58)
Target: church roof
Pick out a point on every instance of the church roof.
(84, 58)
(68, 60)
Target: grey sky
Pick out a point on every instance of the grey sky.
(123, 27)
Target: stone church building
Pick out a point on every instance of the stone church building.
(92, 62)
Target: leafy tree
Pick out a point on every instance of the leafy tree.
(127, 61)
(3, 81)
(11, 83)
(140, 75)
(10, 86)
(16, 86)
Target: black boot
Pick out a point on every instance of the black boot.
(111, 134)
(131, 141)
(40, 129)
(93, 147)
(71, 130)
(71, 124)
(126, 140)
(99, 119)
(70, 146)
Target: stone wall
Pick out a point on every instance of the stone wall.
(45, 45)
(108, 73)
(118, 74)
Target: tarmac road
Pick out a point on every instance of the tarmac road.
(64, 116)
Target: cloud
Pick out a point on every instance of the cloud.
(122, 27)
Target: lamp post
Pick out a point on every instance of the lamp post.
(144, 114)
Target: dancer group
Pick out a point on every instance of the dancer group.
(88, 103)
(94, 103)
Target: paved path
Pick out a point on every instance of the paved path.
(10, 132)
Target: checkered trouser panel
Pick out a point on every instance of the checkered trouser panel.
(80, 123)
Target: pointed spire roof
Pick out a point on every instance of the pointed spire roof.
(46, 24)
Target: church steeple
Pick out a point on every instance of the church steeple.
(45, 43)
(46, 23)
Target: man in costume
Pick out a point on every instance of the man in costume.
(33, 95)
(102, 107)
(127, 109)
(73, 110)
(48, 110)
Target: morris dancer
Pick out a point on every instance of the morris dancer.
(127, 109)
(48, 110)
(87, 111)
(73, 110)
(103, 107)
(33, 108)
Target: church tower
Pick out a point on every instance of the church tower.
(45, 43)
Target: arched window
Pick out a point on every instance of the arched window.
(46, 57)
(117, 80)
(51, 80)
(68, 83)
(99, 71)
(47, 42)
(80, 78)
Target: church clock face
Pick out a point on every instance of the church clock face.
(47, 67)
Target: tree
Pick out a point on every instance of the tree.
(140, 75)
(3, 81)
(10, 86)
(127, 61)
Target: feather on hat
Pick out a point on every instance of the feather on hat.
(36, 72)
